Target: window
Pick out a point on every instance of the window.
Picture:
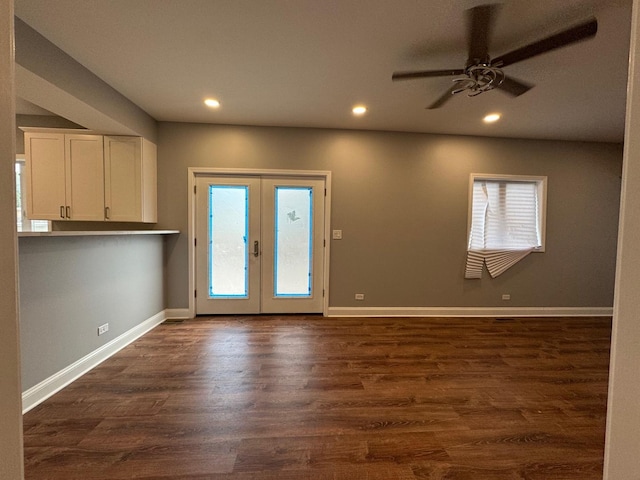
(25, 225)
(293, 241)
(506, 221)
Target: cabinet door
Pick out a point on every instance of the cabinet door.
(123, 179)
(85, 176)
(45, 162)
(149, 182)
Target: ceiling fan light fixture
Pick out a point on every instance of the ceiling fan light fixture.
(491, 118)
(478, 79)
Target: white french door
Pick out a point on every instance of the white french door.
(259, 245)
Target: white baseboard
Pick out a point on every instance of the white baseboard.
(470, 312)
(56, 382)
(177, 313)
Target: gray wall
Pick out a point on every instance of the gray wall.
(401, 201)
(71, 285)
(621, 460)
(11, 461)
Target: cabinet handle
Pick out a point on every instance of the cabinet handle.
(61, 211)
(68, 209)
(107, 211)
(256, 248)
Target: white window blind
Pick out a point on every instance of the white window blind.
(506, 222)
(504, 215)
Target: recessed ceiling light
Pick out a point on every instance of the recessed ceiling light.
(359, 110)
(212, 102)
(492, 117)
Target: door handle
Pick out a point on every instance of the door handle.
(256, 248)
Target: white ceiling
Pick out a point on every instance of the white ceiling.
(305, 63)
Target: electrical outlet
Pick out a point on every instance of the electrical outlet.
(359, 296)
(102, 329)
(337, 235)
(506, 296)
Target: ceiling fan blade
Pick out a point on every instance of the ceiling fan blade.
(479, 33)
(425, 74)
(444, 98)
(514, 87)
(567, 37)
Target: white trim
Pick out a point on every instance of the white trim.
(209, 171)
(216, 172)
(470, 312)
(177, 313)
(37, 394)
(327, 241)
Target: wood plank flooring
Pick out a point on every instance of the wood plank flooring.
(312, 398)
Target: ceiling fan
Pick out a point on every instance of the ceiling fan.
(482, 73)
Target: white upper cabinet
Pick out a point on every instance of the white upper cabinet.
(130, 179)
(78, 176)
(46, 179)
(84, 170)
(65, 177)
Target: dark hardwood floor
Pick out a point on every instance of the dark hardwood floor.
(311, 398)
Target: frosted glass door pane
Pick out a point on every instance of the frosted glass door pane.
(228, 249)
(293, 241)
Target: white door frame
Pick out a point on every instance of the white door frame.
(194, 172)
